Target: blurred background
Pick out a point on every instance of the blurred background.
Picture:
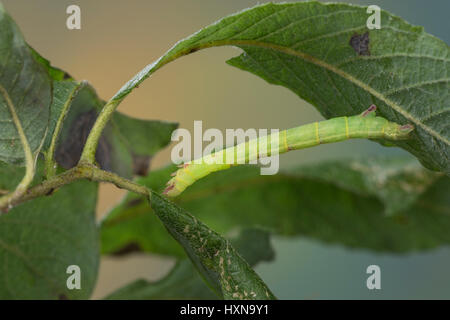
(118, 38)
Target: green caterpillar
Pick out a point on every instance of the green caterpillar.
(365, 125)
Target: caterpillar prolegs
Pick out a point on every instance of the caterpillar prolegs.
(365, 125)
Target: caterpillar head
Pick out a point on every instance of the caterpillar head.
(391, 130)
(396, 131)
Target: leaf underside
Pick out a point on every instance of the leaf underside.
(40, 239)
(28, 85)
(307, 48)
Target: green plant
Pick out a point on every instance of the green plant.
(55, 132)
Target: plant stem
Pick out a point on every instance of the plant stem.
(95, 174)
(90, 148)
(79, 172)
(7, 200)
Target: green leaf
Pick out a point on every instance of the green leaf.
(55, 73)
(41, 238)
(381, 204)
(28, 86)
(64, 92)
(308, 47)
(405, 73)
(10, 175)
(142, 138)
(184, 282)
(396, 182)
(226, 272)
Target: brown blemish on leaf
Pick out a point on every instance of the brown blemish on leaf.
(67, 76)
(68, 152)
(103, 155)
(192, 50)
(360, 43)
(141, 165)
(62, 296)
(133, 203)
(129, 248)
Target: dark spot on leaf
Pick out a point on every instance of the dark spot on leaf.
(192, 50)
(103, 155)
(402, 219)
(67, 76)
(129, 248)
(62, 296)
(360, 43)
(68, 152)
(133, 203)
(141, 165)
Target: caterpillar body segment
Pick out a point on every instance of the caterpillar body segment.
(365, 125)
(188, 174)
